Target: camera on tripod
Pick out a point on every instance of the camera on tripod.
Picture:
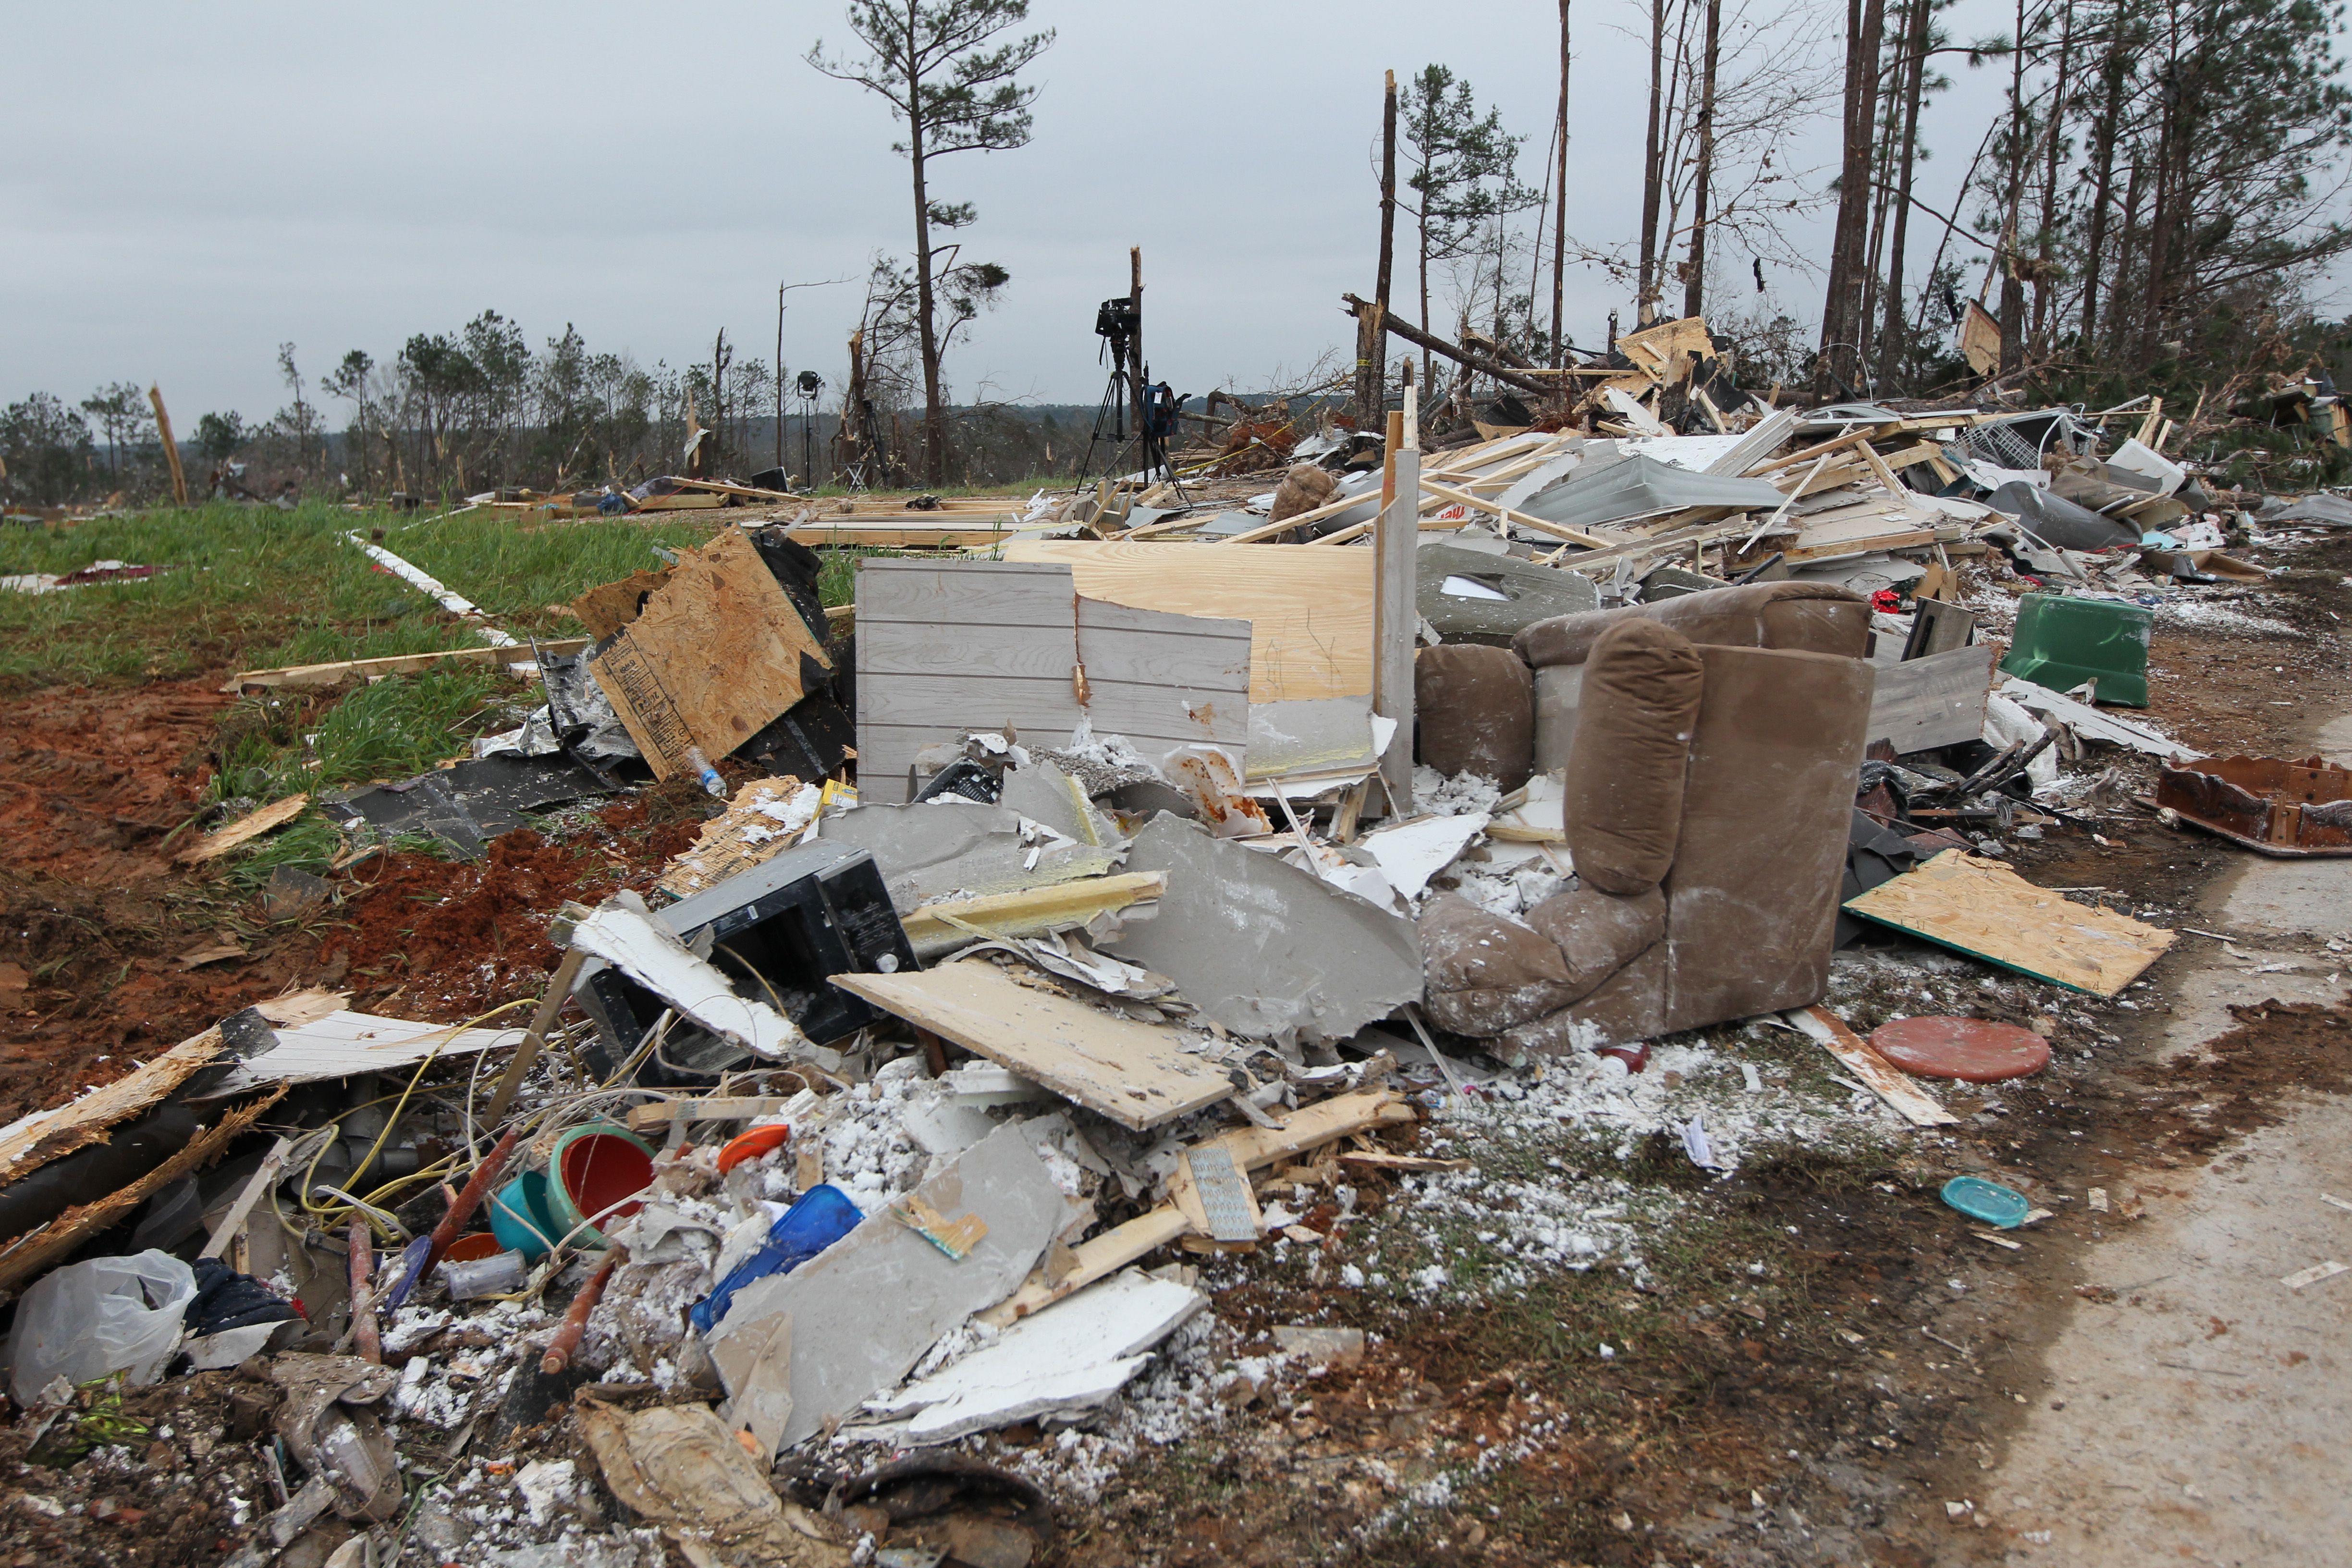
(1116, 320)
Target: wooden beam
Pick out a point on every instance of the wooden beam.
(398, 664)
(171, 445)
(1557, 530)
(1455, 352)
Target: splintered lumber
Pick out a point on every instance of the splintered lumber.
(1139, 1075)
(38, 1250)
(251, 825)
(1985, 910)
(1886, 1080)
(1032, 912)
(1496, 509)
(723, 1108)
(1455, 352)
(1310, 612)
(1250, 1148)
(306, 675)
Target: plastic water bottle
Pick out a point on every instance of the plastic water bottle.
(711, 782)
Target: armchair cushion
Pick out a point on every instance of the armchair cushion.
(1804, 618)
(1625, 780)
(1484, 974)
(1475, 708)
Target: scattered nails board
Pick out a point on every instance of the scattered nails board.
(1137, 1074)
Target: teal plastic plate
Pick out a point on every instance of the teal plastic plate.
(1988, 1200)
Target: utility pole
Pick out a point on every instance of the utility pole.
(1372, 326)
(779, 376)
(1135, 344)
(1559, 208)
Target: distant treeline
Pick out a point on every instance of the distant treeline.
(478, 409)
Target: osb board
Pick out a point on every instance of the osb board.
(1310, 611)
(714, 655)
(1139, 1075)
(1658, 349)
(1985, 910)
(944, 647)
(608, 607)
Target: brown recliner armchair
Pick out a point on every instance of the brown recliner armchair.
(1710, 746)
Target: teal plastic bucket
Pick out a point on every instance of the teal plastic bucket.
(593, 1178)
(519, 1217)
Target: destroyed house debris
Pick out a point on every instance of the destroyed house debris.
(1110, 900)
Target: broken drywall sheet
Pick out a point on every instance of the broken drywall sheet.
(939, 849)
(623, 935)
(1066, 1360)
(1263, 947)
(1043, 793)
(1411, 853)
(865, 1309)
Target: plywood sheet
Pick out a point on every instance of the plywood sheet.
(1985, 910)
(944, 647)
(714, 655)
(1139, 1075)
(1938, 700)
(1310, 611)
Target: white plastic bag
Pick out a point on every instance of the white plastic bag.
(104, 1315)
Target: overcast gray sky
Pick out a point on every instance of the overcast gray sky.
(188, 186)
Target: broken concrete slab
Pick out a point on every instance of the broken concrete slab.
(1070, 1358)
(1263, 947)
(843, 1348)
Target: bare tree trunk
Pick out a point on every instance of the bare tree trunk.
(2045, 266)
(2012, 288)
(935, 422)
(2118, 323)
(1840, 362)
(1914, 79)
(1371, 327)
(2164, 217)
(2103, 161)
(1560, 206)
(1653, 176)
(1695, 285)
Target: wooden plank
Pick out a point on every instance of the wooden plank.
(1139, 1075)
(302, 675)
(1251, 1148)
(714, 657)
(245, 828)
(1033, 911)
(1886, 1080)
(1447, 495)
(724, 1108)
(1985, 910)
(265, 1177)
(1937, 700)
(1310, 611)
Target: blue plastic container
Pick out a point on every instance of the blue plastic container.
(818, 1219)
(519, 1217)
(1988, 1200)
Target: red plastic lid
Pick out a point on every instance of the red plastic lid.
(1969, 1049)
(752, 1145)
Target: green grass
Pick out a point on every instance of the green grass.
(252, 587)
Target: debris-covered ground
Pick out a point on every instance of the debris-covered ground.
(1154, 1229)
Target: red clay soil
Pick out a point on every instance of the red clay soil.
(92, 912)
(447, 941)
(96, 778)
